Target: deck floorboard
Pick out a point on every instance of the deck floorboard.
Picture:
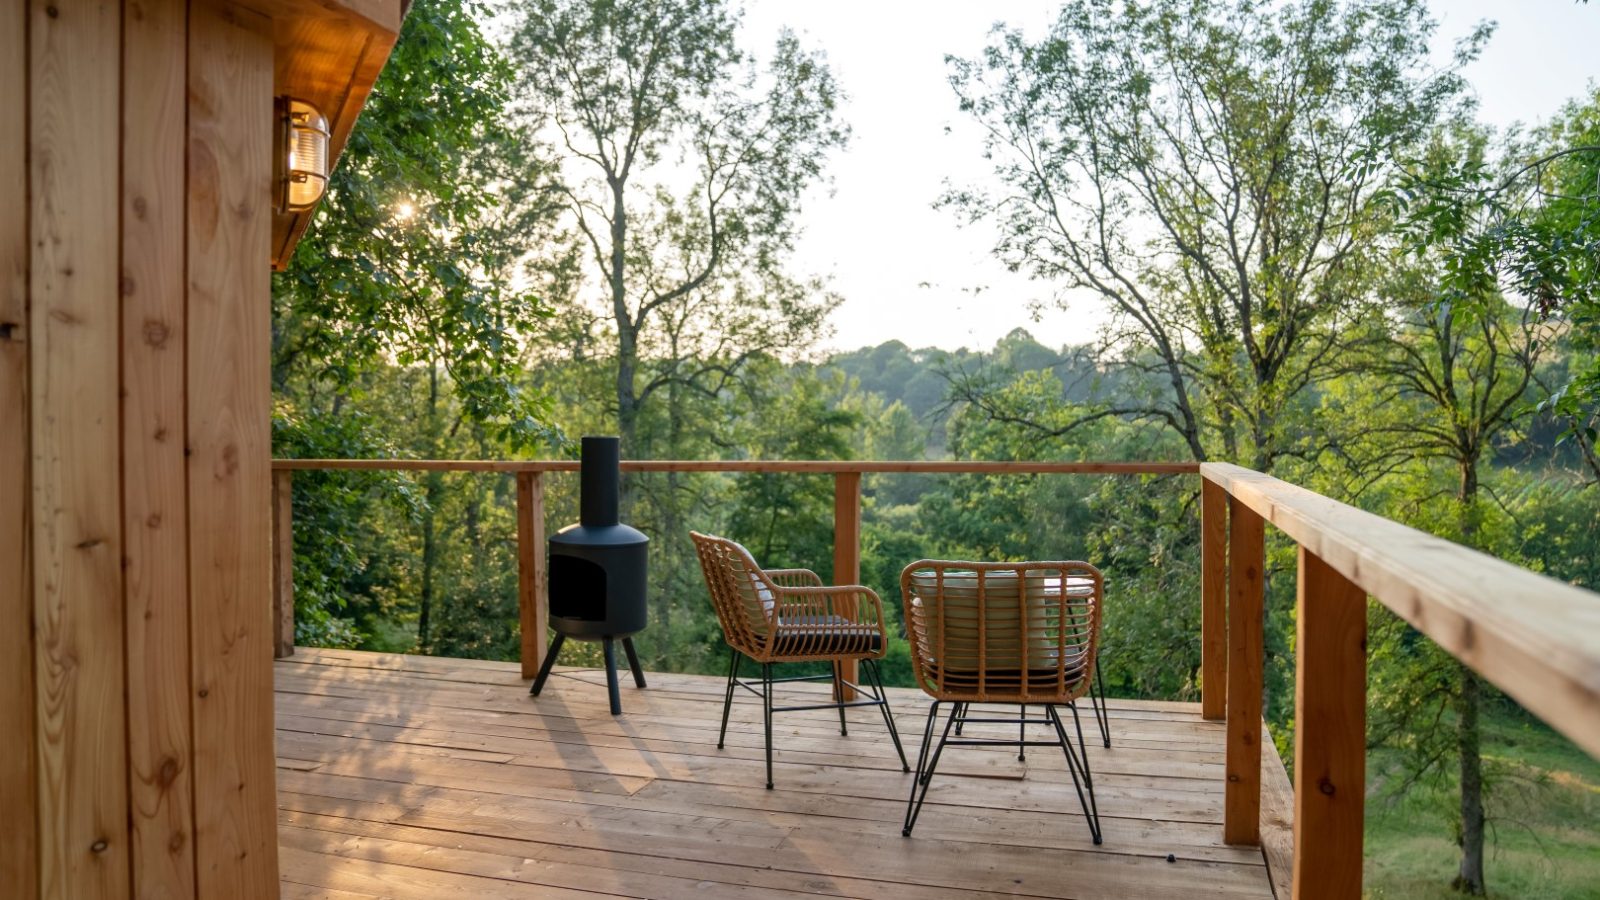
(406, 776)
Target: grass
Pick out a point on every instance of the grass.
(1544, 828)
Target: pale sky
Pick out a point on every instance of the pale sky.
(908, 271)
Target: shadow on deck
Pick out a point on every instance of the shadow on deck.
(410, 777)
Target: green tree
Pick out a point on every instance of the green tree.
(786, 519)
(1526, 222)
(1455, 379)
(406, 278)
(1211, 172)
(683, 167)
(412, 253)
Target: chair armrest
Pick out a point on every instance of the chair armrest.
(855, 603)
(793, 578)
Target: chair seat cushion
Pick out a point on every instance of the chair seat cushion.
(1022, 622)
(824, 636)
(1010, 681)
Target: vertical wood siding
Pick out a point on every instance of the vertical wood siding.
(155, 520)
(19, 852)
(75, 486)
(229, 407)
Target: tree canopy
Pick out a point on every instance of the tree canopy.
(682, 165)
(1212, 172)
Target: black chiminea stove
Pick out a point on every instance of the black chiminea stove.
(597, 571)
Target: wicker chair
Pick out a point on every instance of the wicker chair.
(776, 616)
(1023, 634)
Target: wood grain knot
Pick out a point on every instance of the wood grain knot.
(1325, 786)
(156, 332)
(89, 543)
(8, 331)
(169, 772)
(52, 12)
(100, 846)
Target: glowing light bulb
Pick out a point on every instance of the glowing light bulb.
(303, 145)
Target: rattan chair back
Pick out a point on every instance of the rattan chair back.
(1024, 632)
(741, 594)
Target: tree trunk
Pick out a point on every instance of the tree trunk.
(1263, 453)
(627, 339)
(433, 488)
(1468, 702)
(1470, 879)
(430, 560)
(627, 395)
(1230, 435)
(671, 514)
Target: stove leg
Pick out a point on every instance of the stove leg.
(633, 662)
(549, 663)
(611, 676)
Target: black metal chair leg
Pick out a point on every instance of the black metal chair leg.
(838, 697)
(611, 675)
(766, 713)
(871, 666)
(924, 780)
(1088, 777)
(549, 663)
(939, 751)
(1097, 701)
(1022, 732)
(727, 701)
(922, 759)
(958, 715)
(1091, 809)
(633, 662)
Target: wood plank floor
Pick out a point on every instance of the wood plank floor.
(409, 777)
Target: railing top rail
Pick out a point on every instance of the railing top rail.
(1535, 637)
(825, 467)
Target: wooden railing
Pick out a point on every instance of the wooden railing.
(531, 574)
(1536, 638)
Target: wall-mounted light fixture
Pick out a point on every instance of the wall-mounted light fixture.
(303, 153)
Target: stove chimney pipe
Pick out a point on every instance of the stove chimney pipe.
(599, 478)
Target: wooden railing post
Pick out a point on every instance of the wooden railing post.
(847, 546)
(534, 611)
(1213, 600)
(282, 563)
(1330, 738)
(1241, 819)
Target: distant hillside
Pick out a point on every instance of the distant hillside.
(921, 378)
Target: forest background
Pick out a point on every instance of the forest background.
(569, 217)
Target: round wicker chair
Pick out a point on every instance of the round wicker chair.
(776, 616)
(1024, 634)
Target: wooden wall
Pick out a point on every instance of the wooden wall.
(155, 528)
(79, 675)
(18, 788)
(136, 750)
(230, 462)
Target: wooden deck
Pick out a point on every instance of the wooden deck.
(407, 777)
